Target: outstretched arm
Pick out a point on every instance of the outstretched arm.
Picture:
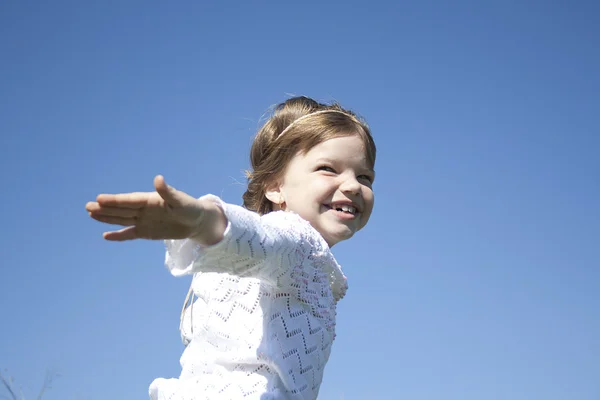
(166, 213)
(207, 235)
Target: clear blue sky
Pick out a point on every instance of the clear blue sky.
(478, 276)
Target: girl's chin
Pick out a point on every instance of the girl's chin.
(336, 236)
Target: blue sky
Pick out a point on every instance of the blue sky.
(478, 276)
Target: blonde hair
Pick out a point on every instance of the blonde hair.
(296, 126)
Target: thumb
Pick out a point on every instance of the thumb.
(172, 196)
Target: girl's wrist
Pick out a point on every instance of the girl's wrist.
(210, 225)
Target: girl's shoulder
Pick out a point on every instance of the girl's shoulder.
(293, 224)
(318, 250)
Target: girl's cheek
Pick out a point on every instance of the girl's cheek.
(325, 184)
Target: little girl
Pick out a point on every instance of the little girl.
(265, 279)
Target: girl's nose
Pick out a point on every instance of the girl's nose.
(350, 185)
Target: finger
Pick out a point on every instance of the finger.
(125, 200)
(114, 220)
(91, 205)
(172, 196)
(122, 235)
(97, 209)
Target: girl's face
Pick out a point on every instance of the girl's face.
(330, 186)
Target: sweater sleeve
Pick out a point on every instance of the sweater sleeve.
(266, 247)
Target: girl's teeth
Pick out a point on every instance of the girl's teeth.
(348, 209)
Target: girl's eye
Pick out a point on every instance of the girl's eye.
(366, 178)
(326, 168)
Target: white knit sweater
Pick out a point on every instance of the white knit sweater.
(264, 321)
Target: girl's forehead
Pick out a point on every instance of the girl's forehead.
(341, 147)
(350, 141)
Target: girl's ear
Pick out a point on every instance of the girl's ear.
(274, 195)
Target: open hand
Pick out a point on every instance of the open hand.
(164, 214)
